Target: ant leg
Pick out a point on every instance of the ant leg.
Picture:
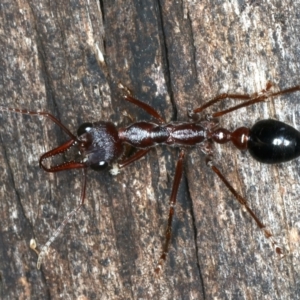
(123, 163)
(136, 156)
(40, 113)
(220, 98)
(176, 182)
(243, 202)
(256, 99)
(224, 96)
(146, 107)
(263, 96)
(69, 217)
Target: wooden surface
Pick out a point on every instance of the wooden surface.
(67, 57)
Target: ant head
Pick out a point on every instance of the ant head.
(99, 144)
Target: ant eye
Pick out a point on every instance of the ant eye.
(84, 128)
(101, 165)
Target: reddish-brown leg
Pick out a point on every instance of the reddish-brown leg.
(250, 100)
(146, 107)
(225, 96)
(220, 98)
(136, 156)
(176, 182)
(259, 98)
(243, 202)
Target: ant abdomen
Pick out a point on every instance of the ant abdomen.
(271, 142)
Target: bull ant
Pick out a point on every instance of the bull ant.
(101, 144)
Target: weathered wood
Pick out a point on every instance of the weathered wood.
(171, 55)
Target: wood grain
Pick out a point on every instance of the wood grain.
(67, 57)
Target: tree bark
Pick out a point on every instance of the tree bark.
(67, 58)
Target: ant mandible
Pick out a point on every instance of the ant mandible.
(101, 144)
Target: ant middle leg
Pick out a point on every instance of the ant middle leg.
(176, 182)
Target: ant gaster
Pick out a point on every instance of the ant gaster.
(101, 145)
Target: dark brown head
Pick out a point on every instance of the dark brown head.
(99, 144)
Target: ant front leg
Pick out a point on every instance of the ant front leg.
(146, 107)
(136, 156)
(176, 182)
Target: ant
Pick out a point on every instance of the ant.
(101, 145)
